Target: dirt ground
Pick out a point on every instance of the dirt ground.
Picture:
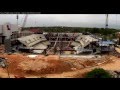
(52, 66)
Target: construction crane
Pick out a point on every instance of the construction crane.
(106, 26)
(25, 20)
(17, 19)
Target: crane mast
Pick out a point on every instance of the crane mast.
(106, 26)
(17, 19)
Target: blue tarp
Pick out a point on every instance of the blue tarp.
(105, 43)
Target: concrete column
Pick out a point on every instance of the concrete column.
(8, 47)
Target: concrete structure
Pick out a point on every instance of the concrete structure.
(81, 43)
(36, 42)
(25, 33)
(8, 29)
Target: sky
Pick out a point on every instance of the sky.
(70, 20)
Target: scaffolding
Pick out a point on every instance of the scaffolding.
(59, 41)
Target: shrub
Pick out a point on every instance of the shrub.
(98, 73)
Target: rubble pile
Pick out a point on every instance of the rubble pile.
(80, 64)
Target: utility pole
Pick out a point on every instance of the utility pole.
(106, 26)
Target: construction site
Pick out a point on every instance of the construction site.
(38, 54)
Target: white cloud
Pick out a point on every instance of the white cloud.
(82, 20)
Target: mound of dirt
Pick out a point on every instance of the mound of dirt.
(44, 67)
(89, 63)
(21, 64)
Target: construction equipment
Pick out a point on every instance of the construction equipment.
(24, 22)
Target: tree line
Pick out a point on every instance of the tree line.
(99, 31)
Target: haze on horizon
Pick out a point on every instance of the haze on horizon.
(69, 20)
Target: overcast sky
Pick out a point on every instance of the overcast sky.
(73, 20)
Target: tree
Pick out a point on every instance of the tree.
(98, 73)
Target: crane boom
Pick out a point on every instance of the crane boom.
(24, 22)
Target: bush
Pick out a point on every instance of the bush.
(98, 73)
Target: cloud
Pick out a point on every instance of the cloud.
(79, 20)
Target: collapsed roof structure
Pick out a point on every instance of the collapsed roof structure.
(36, 42)
(82, 41)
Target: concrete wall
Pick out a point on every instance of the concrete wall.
(7, 32)
(1, 34)
(0, 28)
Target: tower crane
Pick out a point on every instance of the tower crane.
(24, 22)
(17, 19)
(106, 26)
